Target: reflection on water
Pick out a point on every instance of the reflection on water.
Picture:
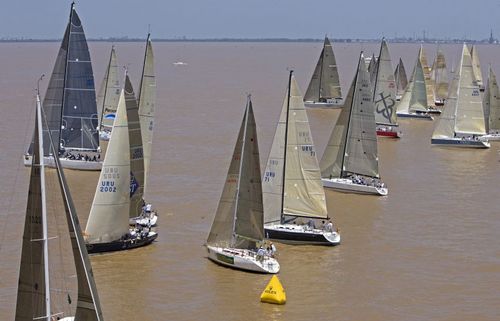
(428, 251)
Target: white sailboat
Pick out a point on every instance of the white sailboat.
(400, 79)
(36, 300)
(238, 224)
(107, 99)
(108, 223)
(384, 95)
(294, 197)
(324, 88)
(350, 161)
(146, 102)
(70, 104)
(491, 104)
(413, 104)
(476, 68)
(440, 79)
(462, 121)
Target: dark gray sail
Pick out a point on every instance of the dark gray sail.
(136, 151)
(79, 114)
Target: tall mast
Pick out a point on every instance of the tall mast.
(320, 72)
(48, 312)
(233, 238)
(143, 66)
(106, 88)
(286, 142)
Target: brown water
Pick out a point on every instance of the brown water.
(428, 251)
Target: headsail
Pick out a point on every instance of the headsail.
(429, 84)
(418, 100)
(146, 100)
(325, 81)
(109, 94)
(79, 110)
(384, 93)
(303, 193)
(445, 127)
(491, 102)
(400, 78)
(238, 221)
(476, 67)
(469, 113)
(109, 214)
(441, 76)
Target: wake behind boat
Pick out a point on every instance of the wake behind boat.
(350, 161)
(238, 225)
(293, 195)
(324, 88)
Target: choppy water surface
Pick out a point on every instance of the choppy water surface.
(428, 251)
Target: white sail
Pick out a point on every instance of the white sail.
(418, 101)
(384, 92)
(469, 113)
(109, 214)
(441, 77)
(491, 102)
(109, 94)
(404, 104)
(400, 78)
(476, 67)
(445, 126)
(429, 84)
(325, 81)
(146, 100)
(303, 193)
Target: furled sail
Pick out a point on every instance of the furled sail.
(109, 214)
(109, 94)
(491, 102)
(469, 113)
(79, 110)
(303, 193)
(400, 78)
(238, 221)
(384, 93)
(441, 76)
(146, 100)
(325, 81)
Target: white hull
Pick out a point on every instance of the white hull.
(330, 103)
(81, 165)
(144, 220)
(105, 135)
(242, 259)
(346, 185)
(300, 234)
(459, 142)
(490, 137)
(414, 115)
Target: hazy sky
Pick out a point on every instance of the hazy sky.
(254, 18)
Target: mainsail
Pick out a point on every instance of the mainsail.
(146, 100)
(384, 93)
(445, 127)
(325, 81)
(400, 78)
(491, 102)
(429, 84)
(238, 221)
(303, 193)
(352, 147)
(441, 76)
(136, 151)
(109, 94)
(109, 214)
(469, 112)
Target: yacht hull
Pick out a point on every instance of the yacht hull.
(336, 103)
(81, 165)
(242, 260)
(121, 245)
(425, 116)
(346, 185)
(458, 142)
(300, 235)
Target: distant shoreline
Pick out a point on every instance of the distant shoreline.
(397, 40)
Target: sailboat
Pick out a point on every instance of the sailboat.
(400, 79)
(294, 198)
(146, 105)
(429, 83)
(107, 99)
(35, 297)
(413, 104)
(117, 195)
(350, 161)
(384, 95)
(491, 104)
(238, 225)
(324, 88)
(462, 121)
(440, 79)
(70, 104)
(476, 68)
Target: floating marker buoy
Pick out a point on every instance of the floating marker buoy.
(274, 292)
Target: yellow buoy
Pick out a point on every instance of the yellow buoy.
(274, 292)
